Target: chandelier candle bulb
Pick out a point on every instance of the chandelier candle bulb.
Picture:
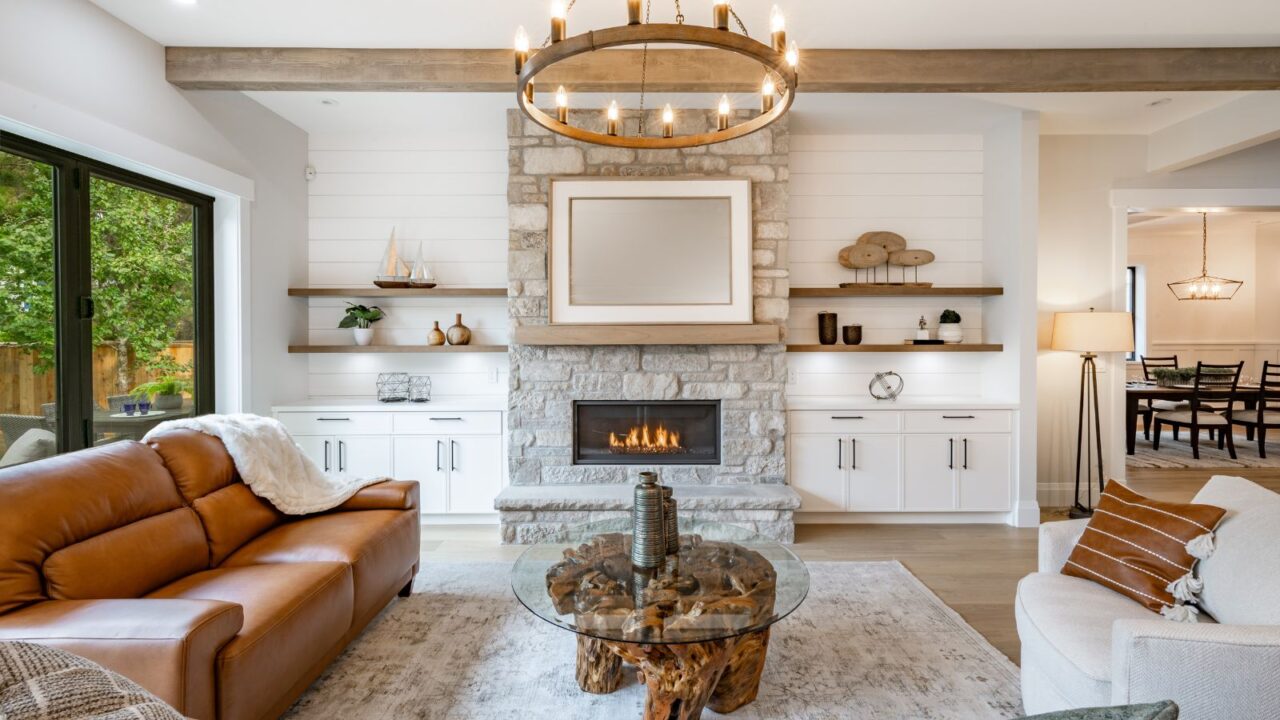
(528, 92)
(793, 54)
(558, 21)
(668, 122)
(778, 26)
(767, 90)
(522, 48)
(612, 117)
(720, 14)
(722, 119)
(633, 12)
(562, 104)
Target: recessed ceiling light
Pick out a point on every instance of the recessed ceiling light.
(1161, 101)
(328, 101)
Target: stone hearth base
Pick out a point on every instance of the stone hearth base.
(530, 513)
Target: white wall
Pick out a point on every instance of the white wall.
(102, 93)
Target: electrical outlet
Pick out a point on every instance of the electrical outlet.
(495, 377)
(793, 376)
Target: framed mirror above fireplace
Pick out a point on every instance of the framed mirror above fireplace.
(641, 251)
(657, 432)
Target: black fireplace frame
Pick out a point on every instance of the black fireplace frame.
(578, 459)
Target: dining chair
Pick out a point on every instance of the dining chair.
(1153, 406)
(1268, 413)
(1211, 380)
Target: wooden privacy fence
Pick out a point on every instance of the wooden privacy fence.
(23, 390)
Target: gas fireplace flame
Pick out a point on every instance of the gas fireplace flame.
(643, 439)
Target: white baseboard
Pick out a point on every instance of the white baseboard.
(1025, 515)
(902, 518)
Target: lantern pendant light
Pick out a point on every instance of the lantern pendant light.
(1205, 286)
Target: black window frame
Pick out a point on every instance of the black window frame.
(1131, 290)
(73, 277)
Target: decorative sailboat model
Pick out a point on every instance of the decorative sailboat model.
(421, 276)
(393, 272)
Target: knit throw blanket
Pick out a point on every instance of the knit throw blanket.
(272, 464)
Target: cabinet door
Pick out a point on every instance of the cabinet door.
(426, 460)
(475, 473)
(818, 471)
(875, 472)
(364, 456)
(986, 472)
(930, 469)
(320, 448)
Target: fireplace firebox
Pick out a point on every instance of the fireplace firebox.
(659, 432)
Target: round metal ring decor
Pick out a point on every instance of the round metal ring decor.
(886, 386)
(778, 65)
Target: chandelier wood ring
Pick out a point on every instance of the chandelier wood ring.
(772, 61)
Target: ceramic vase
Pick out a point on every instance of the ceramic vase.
(436, 336)
(364, 336)
(852, 334)
(459, 334)
(827, 328)
(950, 333)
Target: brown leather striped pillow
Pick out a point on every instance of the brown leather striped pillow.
(1146, 550)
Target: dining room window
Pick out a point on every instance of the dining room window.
(106, 319)
(1136, 308)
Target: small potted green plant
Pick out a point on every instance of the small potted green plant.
(165, 393)
(949, 327)
(361, 319)
(1168, 376)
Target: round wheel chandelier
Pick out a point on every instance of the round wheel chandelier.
(778, 63)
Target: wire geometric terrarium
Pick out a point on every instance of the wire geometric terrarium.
(1205, 286)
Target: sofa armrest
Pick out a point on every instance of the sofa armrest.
(168, 646)
(1056, 542)
(386, 495)
(1210, 670)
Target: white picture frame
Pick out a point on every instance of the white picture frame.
(725, 297)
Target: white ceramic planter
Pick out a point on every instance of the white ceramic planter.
(364, 336)
(950, 333)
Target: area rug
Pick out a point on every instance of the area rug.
(870, 641)
(1177, 453)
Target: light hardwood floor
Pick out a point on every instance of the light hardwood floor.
(973, 568)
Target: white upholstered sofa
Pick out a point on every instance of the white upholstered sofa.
(1084, 645)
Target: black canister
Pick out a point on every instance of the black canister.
(827, 328)
(852, 334)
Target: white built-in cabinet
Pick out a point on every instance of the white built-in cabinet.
(457, 457)
(877, 461)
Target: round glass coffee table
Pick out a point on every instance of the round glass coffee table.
(697, 627)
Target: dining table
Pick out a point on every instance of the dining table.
(1136, 392)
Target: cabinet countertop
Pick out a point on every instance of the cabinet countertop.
(494, 403)
(869, 403)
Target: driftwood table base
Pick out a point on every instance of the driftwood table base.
(682, 678)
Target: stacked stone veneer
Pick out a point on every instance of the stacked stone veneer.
(545, 380)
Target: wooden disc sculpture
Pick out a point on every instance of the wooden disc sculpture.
(708, 589)
(881, 247)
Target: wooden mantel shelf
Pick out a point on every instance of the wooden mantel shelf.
(362, 349)
(894, 291)
(376, 292)
(647, 335)
(900, 347)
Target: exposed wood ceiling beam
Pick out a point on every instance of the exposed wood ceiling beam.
(680, 70)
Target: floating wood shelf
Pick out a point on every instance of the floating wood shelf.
(901, 347)
(647, 335)
(894, 291)
(397, 349)
(397, 292)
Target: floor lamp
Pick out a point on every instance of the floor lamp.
(1090, 333)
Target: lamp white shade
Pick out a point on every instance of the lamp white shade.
(1093, 331)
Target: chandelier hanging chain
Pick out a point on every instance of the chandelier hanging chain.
(1204, 244)
(644, 66)
(742, 26)
(679, 14)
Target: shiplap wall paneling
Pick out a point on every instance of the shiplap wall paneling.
(356, 376)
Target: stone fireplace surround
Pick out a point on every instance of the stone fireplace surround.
(547, 491)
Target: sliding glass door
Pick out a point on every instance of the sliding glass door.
(106, 278)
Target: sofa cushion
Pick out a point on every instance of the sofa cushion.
(295, 614)
(1141, 547)
(207, 477)
(34, 444)
(130, 561)
(52, 504)
(1065, 627)
(1242, 576)
(380, 545)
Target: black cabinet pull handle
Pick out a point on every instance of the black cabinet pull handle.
(966, 454)
(453, 455)
(846, 417)
(958, 417)
(839, 454)
(853, 453)
(342, 456)
(346, 419)
(951, 453)
(439, 462)
(445, 419)
(326, 456)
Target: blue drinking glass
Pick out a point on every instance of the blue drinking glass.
(144, 407)
(129, 408)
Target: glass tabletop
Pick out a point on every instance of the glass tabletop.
(725, 582)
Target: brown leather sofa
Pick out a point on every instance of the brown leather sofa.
(157, 562)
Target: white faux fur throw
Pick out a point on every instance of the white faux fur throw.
(272, 464)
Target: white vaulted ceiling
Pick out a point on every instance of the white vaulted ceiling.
(814, 23)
